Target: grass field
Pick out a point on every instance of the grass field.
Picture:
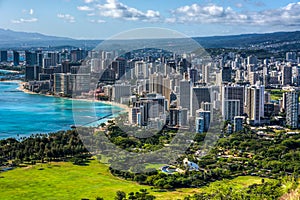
(276, 94)
(67, 181)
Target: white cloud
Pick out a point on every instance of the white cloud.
(99, 21)
(66, 17)
(239, 5)
(88, 1)
(91, 14)
(195, 13)
(84, 8)
(170, 20)
(28, 12)
(22, 20)
(118, 10)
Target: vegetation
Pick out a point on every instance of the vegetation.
(13, 68)
(245, 153)
(275, 155)
(265, 190)
(276, 94)
(58, 146)
(64, 180)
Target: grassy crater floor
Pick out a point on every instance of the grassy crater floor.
(64, 180)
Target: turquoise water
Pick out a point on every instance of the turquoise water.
(23, 114)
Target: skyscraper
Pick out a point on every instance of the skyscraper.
(119, 91)
(252, 60)
(166, 90)
(16, 58)
(232, 93)
(226, 74)
(193, 75)
(32, 73)
(255, 104)
(3, 57)
(291, 56)
(253, 77)
(286, 75)
(61, 83)
(198, 96)
(230, 109)
(205, 74)
(30, 58)
(185, 94)
(202, 121)
(292, 108)
(238, 123)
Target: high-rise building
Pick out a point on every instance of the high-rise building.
(232, 93)
(185, 94)
(156, 83)
(61, 83)
(202, 121)
(198, 96)
(205, 74)
(120, 90)
(16, 58)
(230, 109)
(121, 67)
(291, 56)
(252, 60)
(239, 75)
(3, 57)
(79, 83)
(141, 70)
(292, 109)
(31, 58)
(53, 56)
(32, 73)
(108, 76)
(40, 57)
(193, 75)
(253, 77)
(174, 117)
(133, 117)
(226, 74)
(65, 67)
(238, 123)
(286, 75)
(178, 117)
(255, 104)
(77, 55)
(182, 66)
(151, 107)
(166, 89)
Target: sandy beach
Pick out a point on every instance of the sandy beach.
(124, 107)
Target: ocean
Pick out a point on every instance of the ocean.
(23, 114)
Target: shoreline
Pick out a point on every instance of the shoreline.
(124, 108)
(10, 71)
(119, 108)
(21, 88)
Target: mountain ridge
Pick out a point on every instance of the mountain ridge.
(18, 39)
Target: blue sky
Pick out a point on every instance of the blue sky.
(101, 19)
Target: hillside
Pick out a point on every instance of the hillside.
(267, 41)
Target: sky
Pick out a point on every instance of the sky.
(102, 19)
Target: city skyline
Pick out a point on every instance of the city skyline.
(102, 19)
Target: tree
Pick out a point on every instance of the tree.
(120, 195)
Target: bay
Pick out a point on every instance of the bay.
(23, 114)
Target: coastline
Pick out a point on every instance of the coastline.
(21, 88)
(125, 108)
